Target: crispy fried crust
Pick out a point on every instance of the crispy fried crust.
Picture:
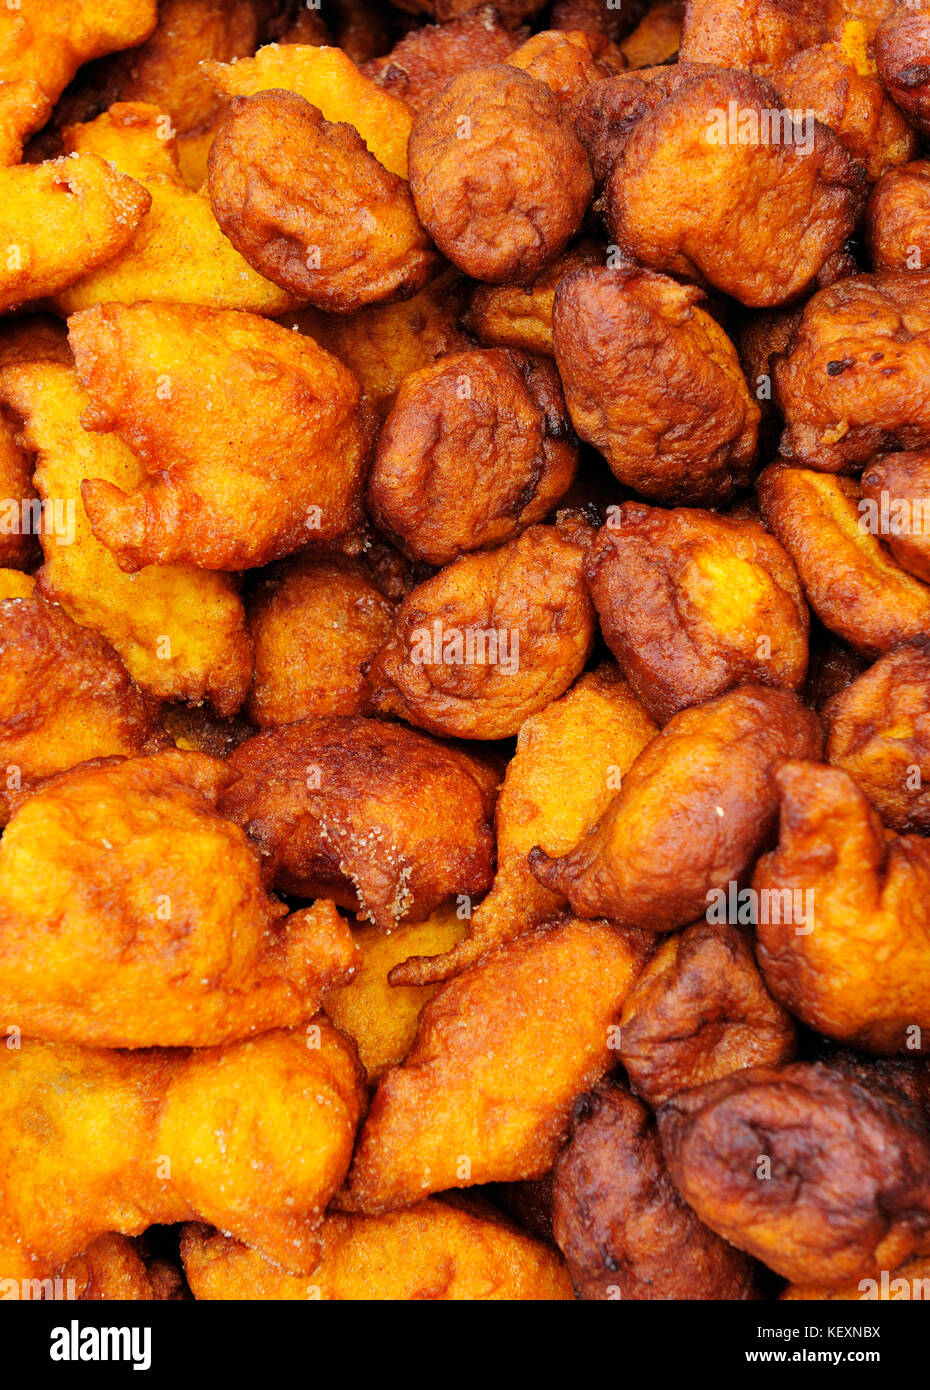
(857, 971)
(694, 810)
(567, 61)
(899, 486)
(497, 174)
(823, 1177)
(390, 821)
(897, 218)
(524, 603)
(430, 1251)
(115, 1268)
(485, 1094)
(476, 448)
(757, 35)
(520, 316)
(23, 108)
(902, 52)
(424, 60)
(699, 1011)
(850, 578)
(255, 440)
(654, 383)
(254, 1137)
(692, 604)
(623, 1228)
(133, 915)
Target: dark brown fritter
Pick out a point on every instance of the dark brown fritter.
(821, 1177)
(498, 176)
(897, 218)
(307, 205)
(654, 383)
(419, 66)
(314, 621)
(568, 61)
(833, 667)
(759, 340)
(620, 1223)
(477, 447)
(605, 113)
(377, 817)
(852, 384)
(902, 52)
(857, 970)
(699, 1011)
(896, 506)
(850, 578)
(594, 17)
(756, 219)
(520, 316)
(692, 604)
(694, 811)
(491, 639)
(757, 35)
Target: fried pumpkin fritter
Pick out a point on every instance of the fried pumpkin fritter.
(757, 216)
(878, 730)
(432, 1250)
(424, 60)
(618, 1219)
(654, 383)
(23, 108)
(485, 1094)
(315, 620)
(567, 61)
(699, 1011)
(692, 604)
(902, 52)
(116, 1268)
(498, 176)
(657, 36)
(897, 218)
(850, 578)
(693, 812)
(859, 970)
(376, 816)
(477, 448)
(255, 1137)
(133, 914)
(491, 639)
(911, 1280)
(255, 440)
(821, 1176)
(896, 497)
(520, 316)
(65, 697)
(179, 631)
(570, 759)
(309, 207)
(757, 35)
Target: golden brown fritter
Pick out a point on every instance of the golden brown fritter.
(511, 12)
(520, 316)
(657, 36)
(381, 1018)
(766, 202)
(424, 60)
(699, 1011)
(315, 620)
(623, 1228)
(897, 218)
(15, 584)
(878, 730)
(491, 639)
(822, 1177)
(857, 971)
(255, 1137)
(693, 812)
(47, 42)
(430, 1251)
(255, 440)
(850, 578)
(499, 179)
(604, 113)
(485, 1094)
(390, 821)
(851, 385)
(896, 505)
(33, 338)
(567, 61)
(116, 1268)
(65, 697)
(385, 343)
(757, 35)
(911, 1280)
(477, 448)
(61, 220)
(311, 209)
(902, 52)
(692, 604)
(654, 383)
(593, 17)
(133, 914)
(570, 759)
(329, 80)
(178, 253)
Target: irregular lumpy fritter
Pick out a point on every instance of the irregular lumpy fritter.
(692, 813)
(376, 816)
(476, 448)
(654, 383)
(896, 505)
(498, 176)
(898, 218)
(902, 52)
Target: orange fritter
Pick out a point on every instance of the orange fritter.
(46, 41)
(117, 1268)
(902, 52)
(23, 108)
(896, 505)
(424, 60)
(567, 61)
(897, 218)
(520, 316)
